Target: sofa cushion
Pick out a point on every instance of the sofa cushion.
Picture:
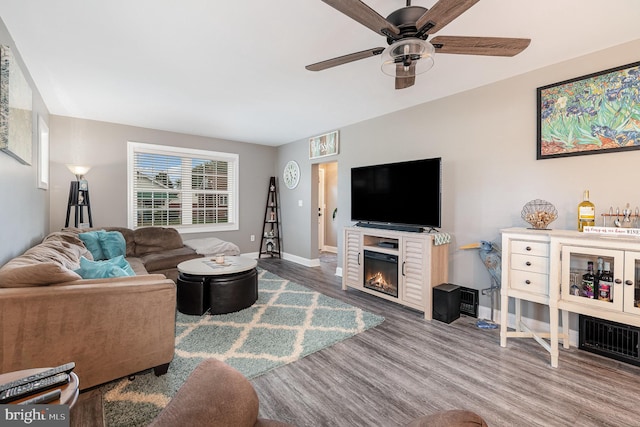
(212, 246)
(114, 267)
(156, 239)
(154, 261)
(71, 238)
(52, 261)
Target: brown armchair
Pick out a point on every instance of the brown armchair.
(217, 395)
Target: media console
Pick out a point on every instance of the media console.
(414, 264)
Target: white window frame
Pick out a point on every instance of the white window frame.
(142, 147)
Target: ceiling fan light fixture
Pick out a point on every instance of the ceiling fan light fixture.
(407, 51)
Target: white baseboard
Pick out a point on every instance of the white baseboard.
(302, 261)
(293, 258)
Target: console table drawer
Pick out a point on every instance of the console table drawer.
(531, 282)
(530, 248)
(535, 264)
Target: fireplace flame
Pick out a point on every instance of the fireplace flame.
(378, 281)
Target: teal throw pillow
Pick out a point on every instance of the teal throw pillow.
(112, 244)
(104, 269)
(91, 240)
(104, 244)
(119, 261)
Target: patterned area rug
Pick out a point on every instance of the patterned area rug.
(288, 322)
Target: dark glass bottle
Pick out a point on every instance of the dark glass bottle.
(588, 281)
(596, 281)
(605, 284)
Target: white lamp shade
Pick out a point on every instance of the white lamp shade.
(78, 171)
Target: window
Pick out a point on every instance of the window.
(191, 190)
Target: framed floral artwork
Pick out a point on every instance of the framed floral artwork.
(596, 113)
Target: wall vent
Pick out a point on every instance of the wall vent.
(609, 339)
(469, 301)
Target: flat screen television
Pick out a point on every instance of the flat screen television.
(400, 194)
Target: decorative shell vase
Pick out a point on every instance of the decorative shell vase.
(539, 213)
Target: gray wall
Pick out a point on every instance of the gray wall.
(24, 211)
(103, 146)
(299, 205)
(487, 139)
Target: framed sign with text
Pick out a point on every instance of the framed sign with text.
(324, 145)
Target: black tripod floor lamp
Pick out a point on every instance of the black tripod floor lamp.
(79, 197)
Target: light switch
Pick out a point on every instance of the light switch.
(299, 202)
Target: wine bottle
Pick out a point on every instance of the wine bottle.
(586, 212)
(605, 284)
(596, 279)
(588, 281)
(600, 269)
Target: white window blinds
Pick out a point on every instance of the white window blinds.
(182, 188)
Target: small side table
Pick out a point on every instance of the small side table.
(69, 394)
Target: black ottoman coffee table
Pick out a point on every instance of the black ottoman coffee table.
(222, 288)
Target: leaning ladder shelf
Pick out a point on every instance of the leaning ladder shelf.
(270, 241)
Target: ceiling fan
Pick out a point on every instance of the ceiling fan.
(407, 29)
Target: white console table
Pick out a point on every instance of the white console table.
(422, 263)
(541, 265)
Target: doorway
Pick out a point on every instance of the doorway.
(327, 207)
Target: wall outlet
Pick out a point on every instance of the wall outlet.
(253, 237)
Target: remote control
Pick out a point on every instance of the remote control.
(67, 367)
(20, 391)
(44, 398)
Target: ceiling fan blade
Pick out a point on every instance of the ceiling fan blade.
(491, 46)
(443, 12)
(323, 65)
(357, 10)
(405, 78)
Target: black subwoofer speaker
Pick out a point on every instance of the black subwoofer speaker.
(446, 302)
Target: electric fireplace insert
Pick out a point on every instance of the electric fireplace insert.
(381, 272)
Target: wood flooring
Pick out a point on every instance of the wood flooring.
(407, 367)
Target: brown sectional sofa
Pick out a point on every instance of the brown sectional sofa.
(153, 250)
(109, 327)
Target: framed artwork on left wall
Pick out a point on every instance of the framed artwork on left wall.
(16, 109)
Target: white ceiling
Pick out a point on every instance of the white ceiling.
(234, 69)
